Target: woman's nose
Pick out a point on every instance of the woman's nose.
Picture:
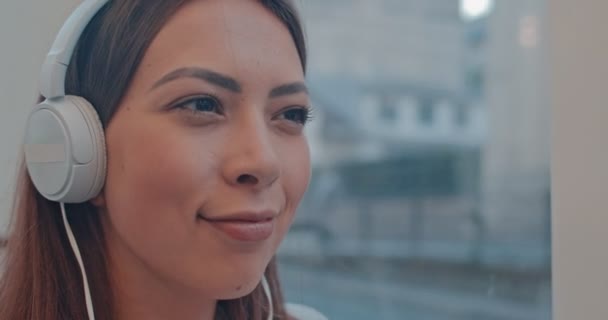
(251, 158)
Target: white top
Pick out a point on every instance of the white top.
(302, 312)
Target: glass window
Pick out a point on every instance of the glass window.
(436, 221)
(426, 111)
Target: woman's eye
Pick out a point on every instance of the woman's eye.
(298, 115)
(201, 105)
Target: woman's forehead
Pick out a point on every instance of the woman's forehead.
(235, 37)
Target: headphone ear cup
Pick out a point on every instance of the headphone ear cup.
(98, 141)
(65, 150)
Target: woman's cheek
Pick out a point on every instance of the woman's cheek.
(296, 172)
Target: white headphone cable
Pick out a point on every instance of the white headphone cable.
(85, 281)
(268, 297)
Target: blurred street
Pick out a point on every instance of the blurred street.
(347, 295)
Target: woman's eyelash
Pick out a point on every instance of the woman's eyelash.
(200, 104)
(310, 114)
(300, 115)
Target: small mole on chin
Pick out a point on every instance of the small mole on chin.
(239, 288)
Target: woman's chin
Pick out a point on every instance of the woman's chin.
(231, 283)
(232, 291)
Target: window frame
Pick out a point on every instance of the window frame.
(576, 75)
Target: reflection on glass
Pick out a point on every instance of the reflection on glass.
(430, 191)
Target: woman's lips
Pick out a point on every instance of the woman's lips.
(247, 227)
(245, 230)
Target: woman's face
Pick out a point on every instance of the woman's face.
(207, 160)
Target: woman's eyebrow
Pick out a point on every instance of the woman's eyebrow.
(212, 77)
(288, 89)
(227, 82)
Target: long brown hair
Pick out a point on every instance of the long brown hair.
(40, 276)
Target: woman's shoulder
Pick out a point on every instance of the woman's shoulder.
(302, 312)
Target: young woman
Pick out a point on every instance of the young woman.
(202, 106)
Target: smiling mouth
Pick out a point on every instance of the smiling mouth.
(245, 228)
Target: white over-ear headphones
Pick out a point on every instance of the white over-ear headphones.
(64, 143)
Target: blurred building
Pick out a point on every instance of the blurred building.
(399, 126)
(431, 131)
(389, 75)
(515, 160)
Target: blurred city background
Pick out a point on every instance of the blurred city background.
(430, 195)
